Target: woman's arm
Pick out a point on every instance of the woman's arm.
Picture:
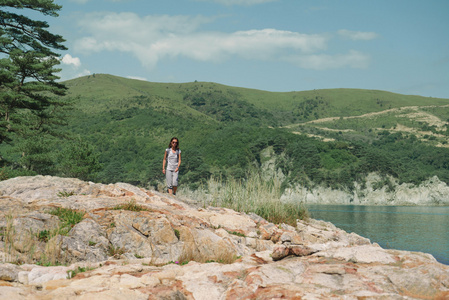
(164, 162)
(179, 162)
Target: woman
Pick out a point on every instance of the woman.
(172, 159)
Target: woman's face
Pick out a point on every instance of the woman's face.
(174, 143)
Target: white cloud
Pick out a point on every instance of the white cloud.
(267, 44)
(70, 73)
(71, 67)
(85, 72)
(358, 35)
(137, 78)
(69, 60)
(239, 2)
(153, 38)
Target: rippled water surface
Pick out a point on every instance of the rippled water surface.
(417, 228)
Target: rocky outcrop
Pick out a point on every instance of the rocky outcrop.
(137, 244)
(376, 190)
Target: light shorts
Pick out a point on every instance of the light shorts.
(172, 178)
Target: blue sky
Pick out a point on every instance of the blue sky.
(400, 46)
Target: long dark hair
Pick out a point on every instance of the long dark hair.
(177, 145)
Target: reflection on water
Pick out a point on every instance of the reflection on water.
(424, 229)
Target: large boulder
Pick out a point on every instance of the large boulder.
(86, 242)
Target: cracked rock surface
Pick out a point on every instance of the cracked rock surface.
(123, 254)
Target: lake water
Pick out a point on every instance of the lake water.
(412, 228)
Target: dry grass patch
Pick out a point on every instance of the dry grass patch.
(256, 195)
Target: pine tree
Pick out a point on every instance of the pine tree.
(30, 97)
(31, 103)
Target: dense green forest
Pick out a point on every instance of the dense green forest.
(117, 129)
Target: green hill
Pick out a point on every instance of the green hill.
(330, 137)
(111, 91)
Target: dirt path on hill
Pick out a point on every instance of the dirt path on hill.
(419, 115)
(416, 114)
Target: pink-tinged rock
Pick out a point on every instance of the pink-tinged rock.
(300, 250)
(345, 266)
(291, 237)
(279, 252)
(233, 222)
(263, 245)
(158, 230)
(267, 231)
(276, 236)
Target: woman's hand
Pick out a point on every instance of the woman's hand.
(163, 171)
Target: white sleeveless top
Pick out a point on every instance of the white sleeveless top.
(172, 159)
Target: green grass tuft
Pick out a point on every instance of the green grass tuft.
(131, 206)
(178, 235)
(73, 273)
(236, 233)
(115, 252)
(65, 194)
(43, 236)
(68, 218)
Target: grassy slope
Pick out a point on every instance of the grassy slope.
(108, 89)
